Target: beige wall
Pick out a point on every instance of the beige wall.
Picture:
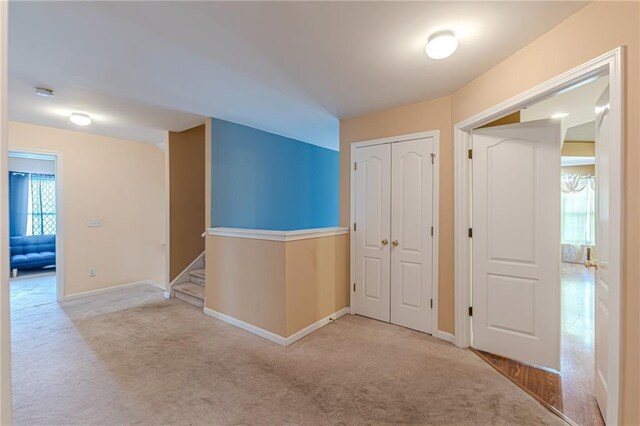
(119, 181)
(596, 29)
(186, 151)
(281, 287)
(317, 279)
(245, 279)
(578, 149)
(429, 115)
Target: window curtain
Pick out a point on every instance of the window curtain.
(18, 203)
(43, 204)
(578, 209)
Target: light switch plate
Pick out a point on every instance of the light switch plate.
(94, 222)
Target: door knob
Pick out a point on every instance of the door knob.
(592, 263)
(385, 242)
(395, 243)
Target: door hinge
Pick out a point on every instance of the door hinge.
(431, 303)
(433, 156)
(354, 286)
(470, 154)
(470, 232)
(470, 311)
(432, 231)
(355, 165)
(354, 226)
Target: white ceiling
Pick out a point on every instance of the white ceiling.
(141, 68)
(579, 102)
(583, 132)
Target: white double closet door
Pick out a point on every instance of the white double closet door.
(393, 237)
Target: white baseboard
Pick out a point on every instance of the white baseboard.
(83, 294)
(315, 326)
(445, 336)
(166, 294)
(272, 337)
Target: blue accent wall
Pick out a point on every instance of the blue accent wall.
(261, 180)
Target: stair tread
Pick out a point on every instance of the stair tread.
(191, 289)
(197, 273)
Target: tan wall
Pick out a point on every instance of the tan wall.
(118, 181)
(186, 197)
(246, 279)
(429, 115)
(578, 149)
(596, 29)
(281, 287)
(317, 280)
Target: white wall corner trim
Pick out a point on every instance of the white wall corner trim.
(99, 291)
(272, 337)
(264, 234)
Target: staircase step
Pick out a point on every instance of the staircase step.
(197, 276)
(190, 293)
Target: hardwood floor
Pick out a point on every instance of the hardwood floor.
(570, 393)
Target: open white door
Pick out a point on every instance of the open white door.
(372, 261)
(516, 241)
(602, 252)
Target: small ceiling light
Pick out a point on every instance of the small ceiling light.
(559, 115)
(44, 92)
(80, 119)
(441, 45)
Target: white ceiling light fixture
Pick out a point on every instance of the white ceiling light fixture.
(441, 44)
(44, 92)
(559, 115)
(80, 119)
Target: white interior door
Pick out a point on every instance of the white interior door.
(516, 241)
(372, 263)
(411, 245)
(602, 252)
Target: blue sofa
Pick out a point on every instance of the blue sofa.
(35, 251)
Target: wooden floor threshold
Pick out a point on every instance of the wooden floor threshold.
(537, 397)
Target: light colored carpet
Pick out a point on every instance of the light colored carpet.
(131, 357)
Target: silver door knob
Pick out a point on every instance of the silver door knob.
(385, 242)
(395, 243)
(592, 263)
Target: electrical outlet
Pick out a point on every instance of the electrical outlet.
(92, 272)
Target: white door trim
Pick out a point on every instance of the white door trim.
(610, 63)
(435, 134)
(59, 213)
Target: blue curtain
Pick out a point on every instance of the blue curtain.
(18, 203)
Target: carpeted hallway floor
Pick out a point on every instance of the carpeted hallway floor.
(131, 357)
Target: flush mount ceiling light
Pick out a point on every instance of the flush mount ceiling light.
(441, 44)
(44, 92)
(80, 119)
(558, 115)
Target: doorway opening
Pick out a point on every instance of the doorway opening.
(534, 303)
(34, 224)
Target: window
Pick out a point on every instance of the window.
(578, 209)
(42, 205)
